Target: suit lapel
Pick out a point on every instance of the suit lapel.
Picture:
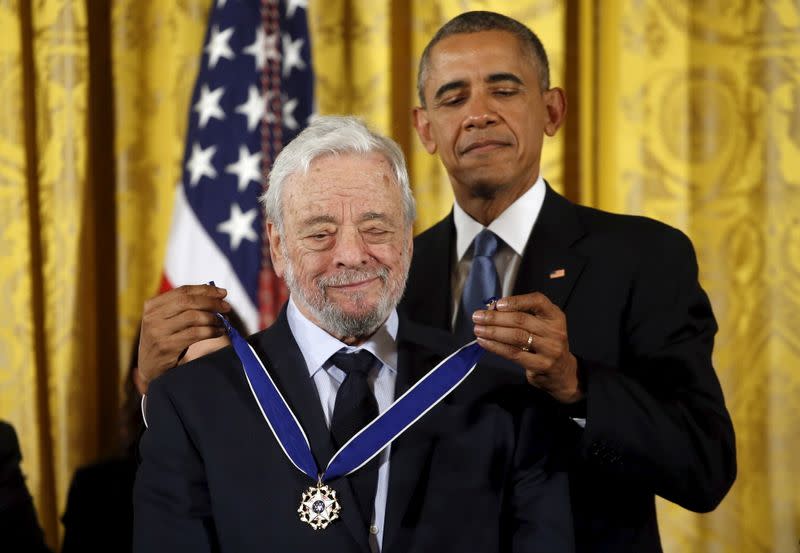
(428, 293)
(287, 367)
(548, 264)
(420, 348)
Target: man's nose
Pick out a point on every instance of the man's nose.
(480, 113)
(351, 251)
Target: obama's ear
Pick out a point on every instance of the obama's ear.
(423, 126)
(555, 102)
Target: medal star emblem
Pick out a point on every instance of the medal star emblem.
(319, 506)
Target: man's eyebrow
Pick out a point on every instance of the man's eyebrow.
(373, 216)
(500, 77)
(318, 219)
(493, 78)
(447, 87)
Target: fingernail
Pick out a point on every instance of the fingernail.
(479, 329)
(478, 316)
(502, 304)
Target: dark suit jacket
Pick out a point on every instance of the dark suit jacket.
(19, 528)
(213, 478)
(642, 330)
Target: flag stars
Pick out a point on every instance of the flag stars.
(208, 104)
(247, 168)
(292, 54)
(288, 114)
(253, 108)
(271, 47)
(239, 226)
(199, 164)
(218, 46)
(258, 49)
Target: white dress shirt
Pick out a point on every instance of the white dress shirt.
(317, 346)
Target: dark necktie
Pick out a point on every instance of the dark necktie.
(355, 407)
(482, 282)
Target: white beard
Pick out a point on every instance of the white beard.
(332, 319)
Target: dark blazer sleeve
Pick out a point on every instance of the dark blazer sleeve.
(540, 515)
(660, 419)
(19, 527)
(172, 510)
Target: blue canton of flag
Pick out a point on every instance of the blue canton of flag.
(218, 229)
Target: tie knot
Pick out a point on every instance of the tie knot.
(484, 244)
(360, 361)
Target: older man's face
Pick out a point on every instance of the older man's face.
(346, 247)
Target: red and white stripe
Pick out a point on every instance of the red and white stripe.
(193, 258)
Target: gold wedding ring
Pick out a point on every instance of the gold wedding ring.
(527, 346)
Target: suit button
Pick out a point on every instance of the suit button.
(373, 530)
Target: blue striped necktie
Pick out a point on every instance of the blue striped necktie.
(482, 282)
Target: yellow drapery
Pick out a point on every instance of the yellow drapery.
(89, 158)
(687, 112)
(48, 224)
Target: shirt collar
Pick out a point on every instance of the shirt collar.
(513, 226)
(317, 346)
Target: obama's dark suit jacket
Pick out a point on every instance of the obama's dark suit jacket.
(642, 329)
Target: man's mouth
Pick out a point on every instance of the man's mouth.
(482, 146)
(355, 285)
(352, 281)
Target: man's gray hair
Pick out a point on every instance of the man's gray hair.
(333, 135)
(476, 22)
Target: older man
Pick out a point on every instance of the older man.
(218, 473)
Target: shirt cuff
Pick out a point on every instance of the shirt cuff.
(144, 405)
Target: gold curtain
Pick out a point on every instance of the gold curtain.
(48, 268)
(89, 158)
(155, 48)
(684, 111)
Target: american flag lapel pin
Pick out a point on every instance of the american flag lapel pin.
(558, 273)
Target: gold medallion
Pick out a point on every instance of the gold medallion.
(319, 506)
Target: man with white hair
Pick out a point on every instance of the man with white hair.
(281, 442)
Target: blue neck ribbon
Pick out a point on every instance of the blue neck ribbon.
(370, 440)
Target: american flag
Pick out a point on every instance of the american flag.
(254, 93)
